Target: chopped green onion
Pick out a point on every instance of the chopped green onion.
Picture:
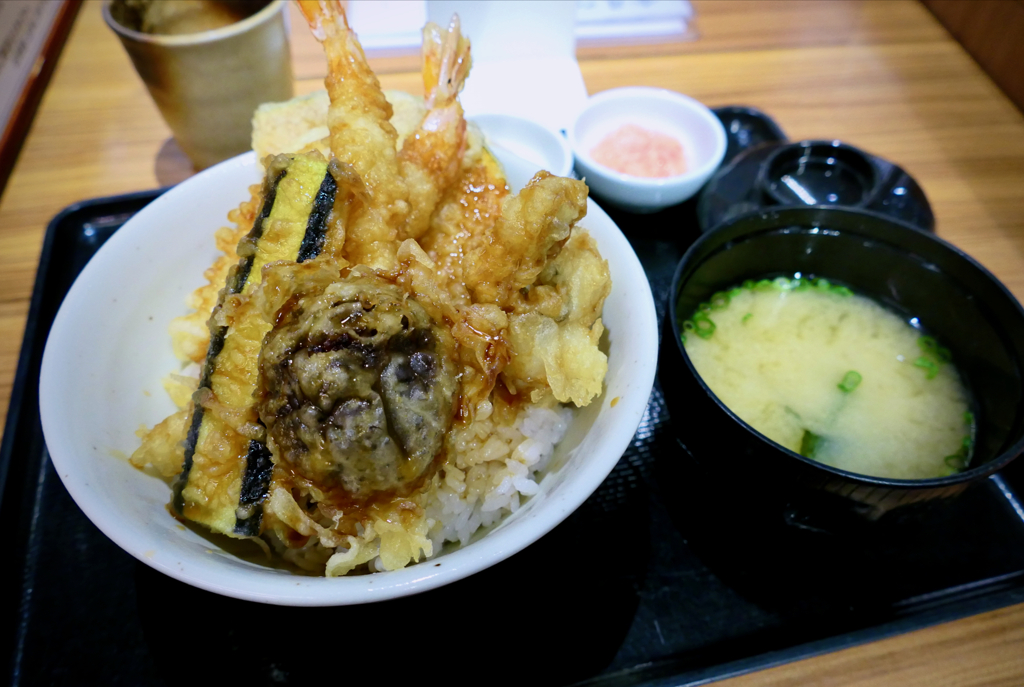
(822, 284)
(719, 300)
(931, 367)
(955, 462)
(809, 444)
(934, 355)
(851, 380)
(734, 291)
(689, 326)
(841, 291)
(959, 460)
(703, 326)
(747, 317)
(968, 418)
(748, 284)
(782, 283)
(763, 285)
(704, 307)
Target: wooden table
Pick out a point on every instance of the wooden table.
(884, 76)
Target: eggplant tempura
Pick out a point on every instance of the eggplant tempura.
(386, 344)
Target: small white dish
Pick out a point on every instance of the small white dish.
(695, 126)
(109, 349)
(532, 142)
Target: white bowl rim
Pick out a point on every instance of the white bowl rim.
(692, 104)
(270, 586)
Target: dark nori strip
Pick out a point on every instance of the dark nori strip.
(316, 228)
(216, 346)
(255, 483)
(235, 282)
(178, 503)
(245, 266)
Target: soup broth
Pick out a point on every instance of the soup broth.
(835, 377)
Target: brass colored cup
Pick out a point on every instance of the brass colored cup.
(208, 84)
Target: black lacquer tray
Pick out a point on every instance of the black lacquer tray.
(655, 580)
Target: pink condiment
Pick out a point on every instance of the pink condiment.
(637, 151)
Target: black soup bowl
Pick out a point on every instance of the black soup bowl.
(907, 270)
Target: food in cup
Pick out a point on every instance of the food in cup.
(834, 376)
(640, 152)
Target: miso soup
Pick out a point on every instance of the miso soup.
(835, 377)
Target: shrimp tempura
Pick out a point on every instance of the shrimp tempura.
(362, 137)
(431, 157)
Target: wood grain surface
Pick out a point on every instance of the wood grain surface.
(12, 136)
(992, 31)
(881, 75)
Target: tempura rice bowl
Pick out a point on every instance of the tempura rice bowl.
(109, 349)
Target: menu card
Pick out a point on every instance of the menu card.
(24, 27)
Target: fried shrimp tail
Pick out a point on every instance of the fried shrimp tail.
(359, 114)
(361, 136)
(431, 157)
(446, 62)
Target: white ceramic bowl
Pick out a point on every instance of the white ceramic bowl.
(694, 125)
(527, 139)
(109, 349)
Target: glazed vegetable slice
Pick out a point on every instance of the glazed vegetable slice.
(227, 464)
